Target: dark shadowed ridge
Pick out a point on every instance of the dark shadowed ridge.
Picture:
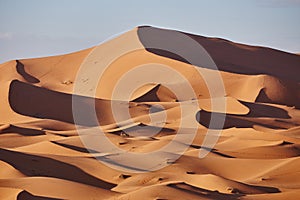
(21, 70)
(259, 114)
(34, 165)
(24, 195)
(30, 100)
(227, 55)
(22, 131)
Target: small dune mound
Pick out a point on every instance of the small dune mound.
(154, 93)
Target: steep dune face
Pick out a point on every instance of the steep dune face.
(44, 153)
(233, 57)
(277, 72)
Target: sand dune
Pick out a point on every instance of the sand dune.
(256, 155)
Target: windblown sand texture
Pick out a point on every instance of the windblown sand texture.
(256, 156)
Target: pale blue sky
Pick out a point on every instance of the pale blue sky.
(35, 28)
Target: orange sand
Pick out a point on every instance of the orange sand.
(256, 156)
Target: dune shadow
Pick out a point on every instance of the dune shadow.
(214, 151)
(75, 148)
(34, 101)
(24, 195)
(33, 165)
(256, 112)
(263, 110)
(230, 121)
(108, 160)
(21, 70)
(150, 96)
(227, 55)
(235, 193)
(207, 194)
(22, 131)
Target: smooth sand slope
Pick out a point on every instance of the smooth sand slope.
(257, 155)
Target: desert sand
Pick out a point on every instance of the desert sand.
(256, 156)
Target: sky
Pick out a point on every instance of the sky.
(35, 28)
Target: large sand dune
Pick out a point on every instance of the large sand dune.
(256, 156)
